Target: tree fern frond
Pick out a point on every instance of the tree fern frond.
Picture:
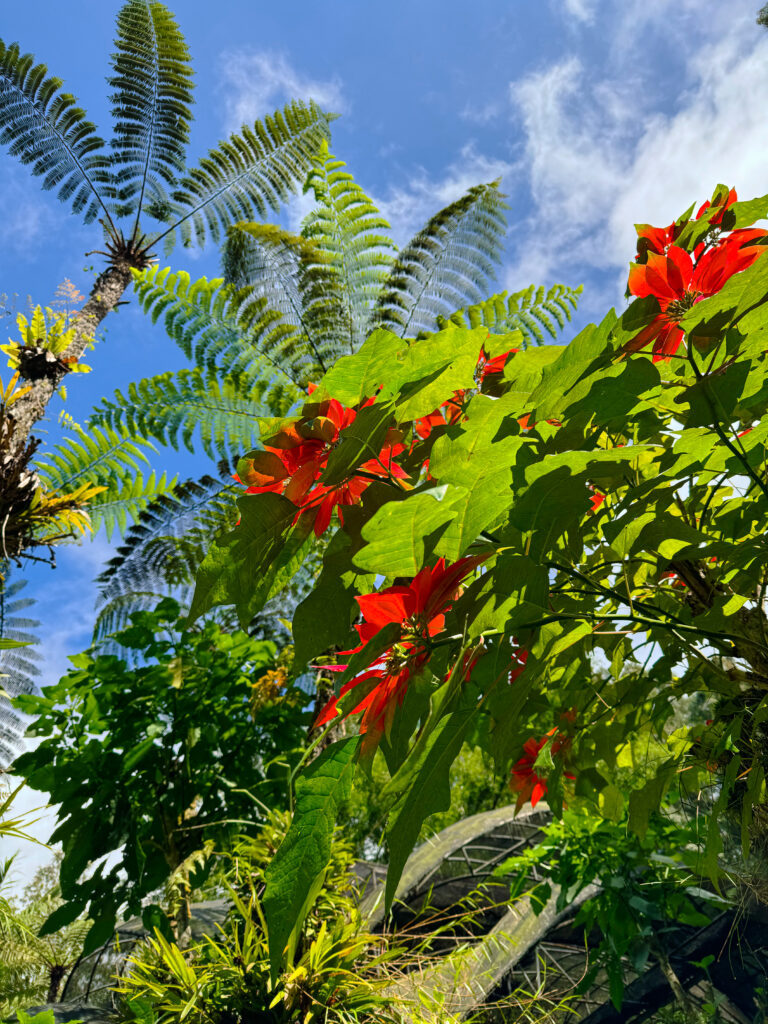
(124, 501)
(177, 408)
(294, 276)
(246, 175)
(447, 264)
(151, 103)
(92, 456)
(347, 228)
(107, 457)
(19, 666)
(222, 328)
(163, 549)
(533, 311)
(45, 128)
(116, 615)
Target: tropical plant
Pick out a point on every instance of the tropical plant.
(157, 764)
(287, 307)
(142, 172)
(32, 969)
(506, 519)
(340, 972)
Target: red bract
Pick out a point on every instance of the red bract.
(679, 284)
(419, 609)
(720, 204)
(525, 780)
(487, 367)
(449, 412)
(297, 456)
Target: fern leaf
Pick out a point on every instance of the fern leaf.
(293, 276)
(246, 175)
(19, 667)
(151, 103)
(163, 549)
(177, 408)
(45, 128)
(448, 264)
(106, 457)
(224, 329)
(122, 502)
(347, 229)
(533, 311)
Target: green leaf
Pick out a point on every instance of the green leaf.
(354, 378)
(645, 802)
(323, 618)
(61, 917)
(576, 359)
(296, 872)
(234, 570)
(398, 531)
(713, 399)
(428, 792)
(361, 441)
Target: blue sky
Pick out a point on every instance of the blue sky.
(595, 114)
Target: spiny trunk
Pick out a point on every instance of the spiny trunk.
(106, 293)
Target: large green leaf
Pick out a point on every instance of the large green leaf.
(398, 531)
(428, 792)
(240, 568)
(296, 872)
(361, 441)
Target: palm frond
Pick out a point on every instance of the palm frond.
(533, 311)
(19, 666)
(347, 229)
(151, 103)
(448, 264)
(246, 175)
(177, 408)
(106, 457)
(45, 128)
(163, 549)
(223, 328)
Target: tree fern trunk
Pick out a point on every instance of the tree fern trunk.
(106, 293)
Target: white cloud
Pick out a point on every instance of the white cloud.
(409, 207)
(580, 10)
(599, 157)
(258, 82)
(26, 215)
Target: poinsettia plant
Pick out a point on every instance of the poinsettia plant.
(541, 551)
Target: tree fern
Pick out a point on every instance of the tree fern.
(162, 550)
(180, 408)
(347, 228)
(19, 666)
(288, 273)
(244, 176)
(448, 264)
(150, 106)
(105, 457)
(533, 311)
(220, 327)
(44, 127)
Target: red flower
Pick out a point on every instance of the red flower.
(679, 284)
(297, 456)
(419, 609)
(721, 204)
(487, 367)
(525, 780)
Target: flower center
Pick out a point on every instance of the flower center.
(676, 310)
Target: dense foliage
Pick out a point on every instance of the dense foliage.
(158, 765)
(528, 515)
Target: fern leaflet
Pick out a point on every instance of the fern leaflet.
(533, 311)
(109, 458)
(247, 174)
(19, 666)
(448, 264)
(44, 127)
(176, 408)
(151, 103)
